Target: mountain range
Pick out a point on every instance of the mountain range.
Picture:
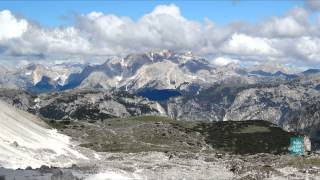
(182, 86)
(156, 69)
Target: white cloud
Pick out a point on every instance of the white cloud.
(248, 45)
(11, 27)
(171, 10)
(164, 27)
(290, 38)
(223, 61)
(309, 48)
(293, 24)
(287, 26)
(47, 42)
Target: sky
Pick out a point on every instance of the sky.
(56, 13)
(225, 31)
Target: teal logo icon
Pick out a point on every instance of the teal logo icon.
(296, 146)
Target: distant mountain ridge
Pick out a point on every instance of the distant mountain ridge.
(163, 69)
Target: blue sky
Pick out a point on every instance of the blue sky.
(56, 13)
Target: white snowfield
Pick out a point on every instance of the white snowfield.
(26, 141)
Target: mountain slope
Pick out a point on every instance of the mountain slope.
(94, 105)
(292, 105)
(26, 141)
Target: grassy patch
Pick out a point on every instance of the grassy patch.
(254, 137)
(155, 133)
(59, 124)
(149, 119)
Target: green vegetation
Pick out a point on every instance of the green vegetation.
(155, 133)
(253, 129)
(255, 136)
(59, 124)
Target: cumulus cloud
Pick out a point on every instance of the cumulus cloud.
(164, 27)
(11, 27)
(46, 42)
(290, 38)
(293, 24)
(308, 48)
(248, 45)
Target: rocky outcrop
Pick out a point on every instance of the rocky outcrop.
(94, 105)
(306, 121)
(292, 105)
(18, 98)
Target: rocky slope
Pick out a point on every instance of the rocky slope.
(159, 69)
(18, 98)
(25, 141)
(274, 104)
(93, 105)
(306, 120)
(87, 105)
(289, 104)
(155, 165)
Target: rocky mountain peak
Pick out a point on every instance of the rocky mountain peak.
(163, 54)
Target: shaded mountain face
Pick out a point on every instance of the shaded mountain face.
(38, 78)
(93, 105)
(159, 95)
(83, 105)
(311, 71)
(291, 105)
(277, 74)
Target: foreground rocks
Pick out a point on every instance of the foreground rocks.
(153, 147)
(159, 165)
